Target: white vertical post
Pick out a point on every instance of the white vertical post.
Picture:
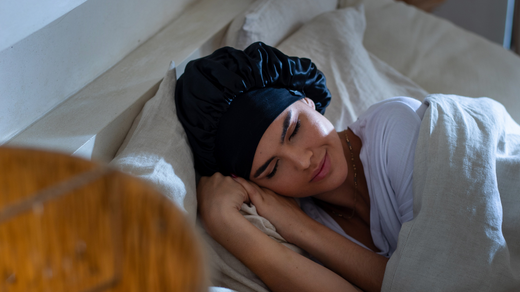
(508, 29)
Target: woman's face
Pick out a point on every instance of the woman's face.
(300, 154)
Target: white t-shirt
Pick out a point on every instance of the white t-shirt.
(388, 131)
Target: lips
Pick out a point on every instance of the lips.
(323, 169)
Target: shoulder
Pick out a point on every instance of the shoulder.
(389, 107)
(389, 132)
(389, 113)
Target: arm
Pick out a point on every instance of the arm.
(356, 264)
(279, 267)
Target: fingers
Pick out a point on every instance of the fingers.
(251, 188)
(221, 191)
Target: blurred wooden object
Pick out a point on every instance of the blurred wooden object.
(426, 5)
(68, 224)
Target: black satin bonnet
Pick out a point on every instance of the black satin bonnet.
(226, 101)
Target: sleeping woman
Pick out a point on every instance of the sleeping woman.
(255, 123)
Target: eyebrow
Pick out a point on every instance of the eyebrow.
(286, 123)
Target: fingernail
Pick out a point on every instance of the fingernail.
(233, 175)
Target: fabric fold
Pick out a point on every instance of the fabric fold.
(465, 233)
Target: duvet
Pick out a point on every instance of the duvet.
(465, 235)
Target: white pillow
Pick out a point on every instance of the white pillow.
(440, 56)
(156, 149)
(271, 21)
(355, 78)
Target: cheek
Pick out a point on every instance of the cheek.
(322, 127)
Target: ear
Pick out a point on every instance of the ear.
(309, 102)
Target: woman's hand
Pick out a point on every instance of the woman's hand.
(218, 197)
(283, 212)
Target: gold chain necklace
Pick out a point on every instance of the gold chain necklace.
(355, 181)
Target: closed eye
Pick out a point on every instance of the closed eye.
(295, 130)
(270, 175)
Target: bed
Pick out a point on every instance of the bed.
(369, 50)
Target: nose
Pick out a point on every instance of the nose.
(300, 157)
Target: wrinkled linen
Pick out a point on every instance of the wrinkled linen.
(465, 235)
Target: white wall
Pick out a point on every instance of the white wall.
(21, 18)
(46, 67)
(484, 17)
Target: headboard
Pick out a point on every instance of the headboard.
(93, 122)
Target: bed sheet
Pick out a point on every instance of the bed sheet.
(465, 233)
(440, 56)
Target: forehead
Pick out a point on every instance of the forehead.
(276, 127)
(271, 139)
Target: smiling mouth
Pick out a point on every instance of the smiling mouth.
(322, 170)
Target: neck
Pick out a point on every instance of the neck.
(345, 195)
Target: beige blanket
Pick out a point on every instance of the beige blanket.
(465, 235)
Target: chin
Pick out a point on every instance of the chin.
(338, 175)
(338, 178)
(335, 179)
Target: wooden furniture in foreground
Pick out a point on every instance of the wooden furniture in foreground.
(68, 224)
